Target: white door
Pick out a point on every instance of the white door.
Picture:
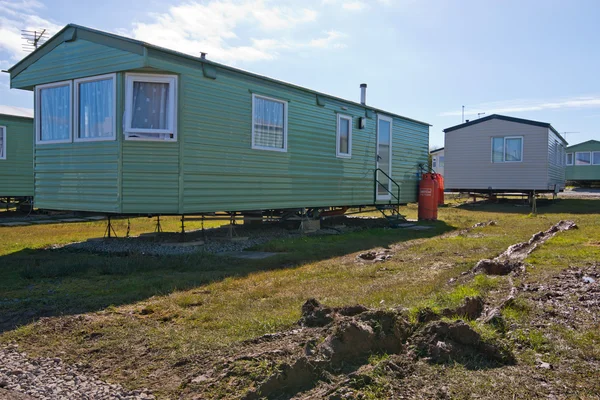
(384, 156)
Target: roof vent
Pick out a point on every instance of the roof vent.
(466, 121)
(203, 56)
(363, 93)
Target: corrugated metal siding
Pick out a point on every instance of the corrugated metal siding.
(78, 59)
(583, 172)
(77, 176)
(222, 171)
(16, 171)
(556, 161)
(150, 177)
(468, 158)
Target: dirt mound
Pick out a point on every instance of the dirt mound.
(471, 308)
(315, 314)
(512, 258)
(444, 342)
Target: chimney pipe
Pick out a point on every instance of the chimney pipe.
(363, 93)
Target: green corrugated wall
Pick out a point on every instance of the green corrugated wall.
(16, 171)
(583, 172)
(212, 166)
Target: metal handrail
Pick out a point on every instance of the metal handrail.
(388, 190)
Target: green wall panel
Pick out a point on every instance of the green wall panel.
(16, 171)
(583, 172)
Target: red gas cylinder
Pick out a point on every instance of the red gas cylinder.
(440, 181)
(428, 197)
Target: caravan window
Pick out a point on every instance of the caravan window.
(583, 158)
(507, 149)
(344, 136)
(151, 107)
(569, 158)
(596, 158)
(95, 108)
(53, 112)
(269, 123)
(2, 143)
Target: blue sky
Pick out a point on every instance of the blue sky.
(535, 59)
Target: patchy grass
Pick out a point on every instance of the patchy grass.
(148, 320)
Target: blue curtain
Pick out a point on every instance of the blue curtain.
(55, 113)
(268, 123)
(96, 105)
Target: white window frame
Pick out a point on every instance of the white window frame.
(285, 124)
(381, 117)
(504, 149)
(76, 83)
(338, 152)
(172, 80)
(434, 162)
(567, 158)
(38, 120)
(592, 160)
(582, 165)
(4, 136)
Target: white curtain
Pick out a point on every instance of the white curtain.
(344, 135)
(55, 113)
(96, 105)
(150, 105)
(268, 122)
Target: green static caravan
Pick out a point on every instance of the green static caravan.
(126, 127)
(16, 157)
(583, 162)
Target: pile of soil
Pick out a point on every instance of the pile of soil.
(328, 356)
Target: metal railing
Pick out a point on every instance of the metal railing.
(397, 197)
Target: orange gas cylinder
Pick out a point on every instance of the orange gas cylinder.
(428, 197)
(440, 181)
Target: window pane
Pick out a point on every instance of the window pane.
(55, 113)
(497, 149)
(2, 142)
(582, 158)
(96, 105)
(150, 105)
(513, 149)
(434, 162)
(441, 161)
(596, 158)
(569, 158)
(268, 122)
(384, 132)
(344, 136)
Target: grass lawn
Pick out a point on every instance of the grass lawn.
(145, 321)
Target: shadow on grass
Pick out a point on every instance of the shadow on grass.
(44, 283)
(544, 206)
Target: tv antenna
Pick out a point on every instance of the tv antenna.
(33, 39)
(479, 115)
(566, 133)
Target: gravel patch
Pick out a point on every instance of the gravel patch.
(51, 378)
(215, 240)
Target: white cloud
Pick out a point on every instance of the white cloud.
(354, 5)
(231, 31)
(331, 40)
(16, 16)
(518, 106)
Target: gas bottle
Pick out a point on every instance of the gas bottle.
(440, 181)
(428, 197)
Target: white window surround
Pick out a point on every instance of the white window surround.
(38, 117)
(583, 164)
(164, 134)
(76, 137)
(504, 160)
(567, 160)
(338, 151)
(3, 135)
(285, 124)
